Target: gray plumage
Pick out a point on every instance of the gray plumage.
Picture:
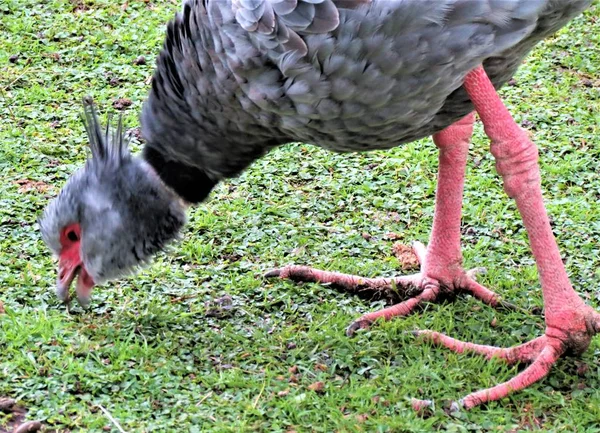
(237, 78)
(372, 75)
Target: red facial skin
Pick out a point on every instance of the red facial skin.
(70, 264)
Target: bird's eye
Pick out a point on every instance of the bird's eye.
(72, 236)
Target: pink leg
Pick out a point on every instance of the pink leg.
(441, 273)
(538, 369)
(570, 323)
(522, 353)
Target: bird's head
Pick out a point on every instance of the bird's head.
(111, 216)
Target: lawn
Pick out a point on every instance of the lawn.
(199, 341)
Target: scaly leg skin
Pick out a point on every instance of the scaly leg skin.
(442, 274)
(570, 323)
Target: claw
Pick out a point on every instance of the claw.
(472, 273)
(455, 410)
(6, 404)
(272, 273)
(356, 325)
(509, 306)
(456, 407)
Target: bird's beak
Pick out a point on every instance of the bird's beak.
(69, 266)
(85, 284)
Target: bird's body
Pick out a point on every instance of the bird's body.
(389, 72)
(237, 78)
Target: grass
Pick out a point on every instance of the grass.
(159, 352)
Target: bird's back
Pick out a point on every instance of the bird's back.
(346, 75)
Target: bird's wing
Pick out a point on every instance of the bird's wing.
(279, 25)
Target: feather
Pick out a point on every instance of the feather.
(94, 132)
(109, 148)
(284, 7)
(236, 77)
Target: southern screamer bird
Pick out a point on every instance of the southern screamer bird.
(237, 78)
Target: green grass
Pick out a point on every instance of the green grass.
(158, 365)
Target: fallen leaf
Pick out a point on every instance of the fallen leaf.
(320, 367)
(406, 256)
(317, 386)
(121, 103)
(582, 369)
(26, 185)
(362, 417)
(79, 6)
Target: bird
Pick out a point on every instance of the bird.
(235, 79)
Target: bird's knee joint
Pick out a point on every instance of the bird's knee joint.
(517, 163)
(515, 185)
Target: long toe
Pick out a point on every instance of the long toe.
(406, 293)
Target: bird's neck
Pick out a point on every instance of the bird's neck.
(191, 184)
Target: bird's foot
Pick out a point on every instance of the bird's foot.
(577, 327)
(407, 293)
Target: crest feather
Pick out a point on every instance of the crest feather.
(108, 147)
